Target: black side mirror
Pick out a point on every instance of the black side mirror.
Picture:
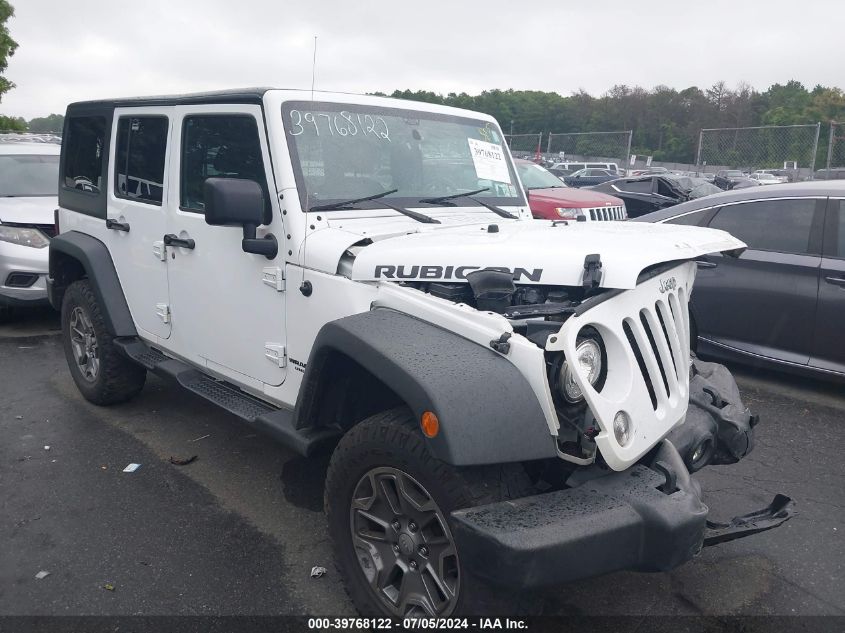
(239, 202)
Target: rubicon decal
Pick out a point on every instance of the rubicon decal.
(389, 271)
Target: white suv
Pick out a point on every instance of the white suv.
(362, 276)
(29, 174)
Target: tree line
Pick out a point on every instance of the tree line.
(665, 122)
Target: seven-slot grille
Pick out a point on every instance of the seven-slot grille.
(659, 337)
(645, 331)
(607, 213)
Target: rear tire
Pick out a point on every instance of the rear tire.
(103, 375)
(400, 568)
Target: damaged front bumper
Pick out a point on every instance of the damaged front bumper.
(649, 517)
(643, 519)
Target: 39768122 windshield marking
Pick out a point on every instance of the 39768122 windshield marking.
(340, 124)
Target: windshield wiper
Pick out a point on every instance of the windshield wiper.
(545, 187)
(343, 204)
(464, 194)
(468, 195)
(419, 217)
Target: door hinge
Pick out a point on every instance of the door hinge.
(274, 277)
(163, 312)
(275, 352)
(160, 251)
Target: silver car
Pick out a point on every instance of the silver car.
(29, 176)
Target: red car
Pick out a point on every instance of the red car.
(550, 199)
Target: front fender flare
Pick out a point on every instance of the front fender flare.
(487, 410)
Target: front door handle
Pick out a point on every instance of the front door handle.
(838, 281)
(174, 240)
(703, 263)
(114, 225)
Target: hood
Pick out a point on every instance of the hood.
(28, 209)
(570, 197)
(537, 251)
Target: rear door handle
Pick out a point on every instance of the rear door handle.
(174, 240)
(117, 226)
(703, 263)
(838, 281)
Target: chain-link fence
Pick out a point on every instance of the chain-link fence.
(792, 147)
(835, 164)
(524, 145)
(578, 146)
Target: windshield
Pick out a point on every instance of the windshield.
(348, 151)
(29, 175)
(734, 174)
(535, 177)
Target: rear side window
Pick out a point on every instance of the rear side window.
(636, 186)
(783, 226)
(835, 229)
(225, 146)
(139, 163)
(696, 218)
(83, 150)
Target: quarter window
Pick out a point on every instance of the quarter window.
(141, 148)
(783, 226)
(224, 146)
(83, 149)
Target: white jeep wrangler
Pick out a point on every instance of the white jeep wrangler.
(509, 402)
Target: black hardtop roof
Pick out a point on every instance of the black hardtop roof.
(785, 190)
(239, 95)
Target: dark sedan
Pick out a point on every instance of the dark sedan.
(781, 302)
(650, 192)
(589, 177)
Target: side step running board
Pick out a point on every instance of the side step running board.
(275, 422)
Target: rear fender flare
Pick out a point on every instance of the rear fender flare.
(73, 254)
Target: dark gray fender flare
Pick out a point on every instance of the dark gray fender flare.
(487, 410)
(96, 263)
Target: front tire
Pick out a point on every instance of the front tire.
(103, 375)
(388, 502)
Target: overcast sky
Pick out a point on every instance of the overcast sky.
(88, 49)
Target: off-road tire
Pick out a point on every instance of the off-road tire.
(393, 439)
(118, 379)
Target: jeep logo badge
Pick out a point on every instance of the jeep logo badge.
(668, 284)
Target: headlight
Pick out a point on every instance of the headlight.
(588, 359)
(569, 213)
(23, 236)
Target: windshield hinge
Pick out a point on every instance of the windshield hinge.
(592, 273)
(274, 277)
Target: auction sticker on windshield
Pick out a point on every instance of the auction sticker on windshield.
(489, 161)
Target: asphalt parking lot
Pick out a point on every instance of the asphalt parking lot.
(238, 530)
